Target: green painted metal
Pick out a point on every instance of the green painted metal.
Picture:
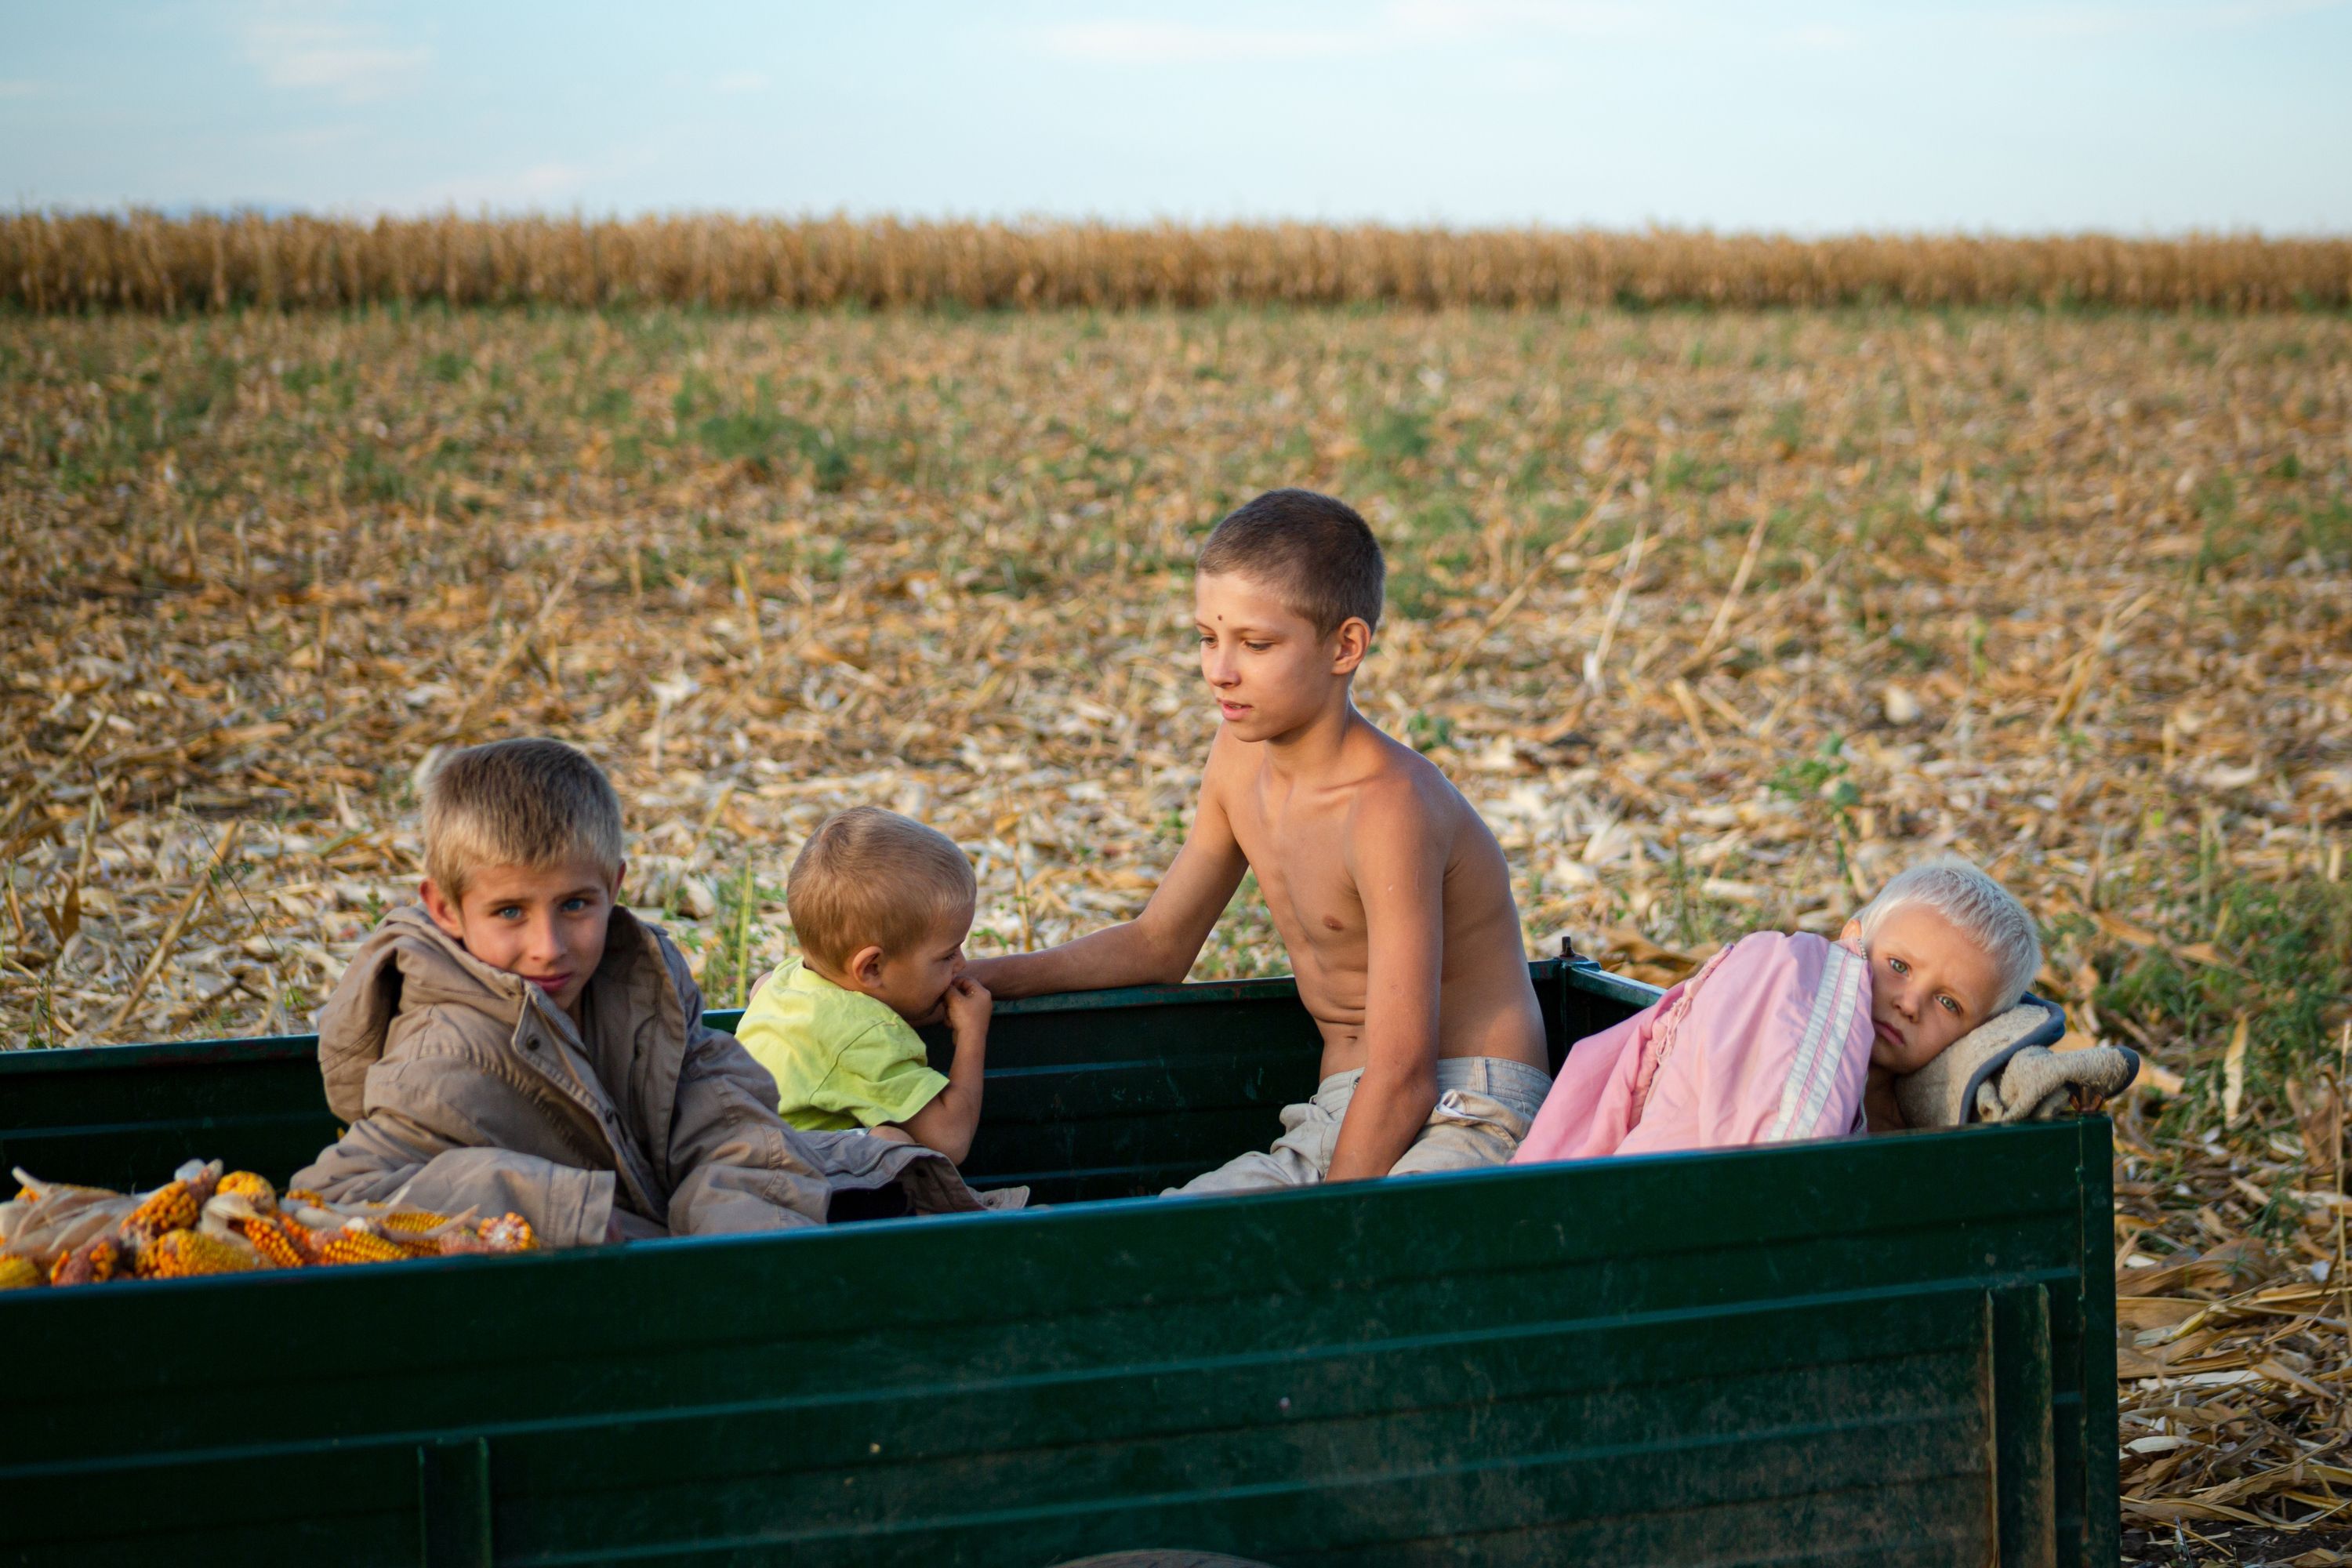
(2024, 1469)
(1887, 1350)
(453, 1502)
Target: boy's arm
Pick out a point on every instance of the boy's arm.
(430, 1138)
(949, 1118)
(735, 1164)
(1158, 946)
(1399, 861)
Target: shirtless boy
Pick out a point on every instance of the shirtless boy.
(1390, 895)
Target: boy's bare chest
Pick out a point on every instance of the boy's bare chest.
(1300, 852)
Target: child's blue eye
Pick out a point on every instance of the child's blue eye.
(573, 906)
(1949, 1006)
(508, 911)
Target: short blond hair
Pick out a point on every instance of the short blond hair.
(872, 877)
(532, 802)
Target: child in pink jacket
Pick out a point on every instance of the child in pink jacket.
(1786, 1036)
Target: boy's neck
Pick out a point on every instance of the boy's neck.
(826, 972)
(1313, 748)
(1881, 1111)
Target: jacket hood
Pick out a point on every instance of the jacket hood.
(408, 964)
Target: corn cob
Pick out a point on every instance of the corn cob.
(18, 1273)
(170, 1207)
(361, 1247)
(411, 1219)
(202, 1179)
(94, 1262)
(180, 1254)
(253, 1189)
(508, 1232)
(275, 1238)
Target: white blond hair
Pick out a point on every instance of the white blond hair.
(1978, 906)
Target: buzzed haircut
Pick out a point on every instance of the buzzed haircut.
(1314, 551)
(534, 802)
(872, 877)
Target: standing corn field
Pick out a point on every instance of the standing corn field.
(145, 262)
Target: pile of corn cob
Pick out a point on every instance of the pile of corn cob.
(203, 1222)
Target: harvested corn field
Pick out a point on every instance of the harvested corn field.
(1719, 617)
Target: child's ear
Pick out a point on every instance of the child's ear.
(445, 914)
(1852, 932)
(619, 871)
(1354, 639)
(865, 965)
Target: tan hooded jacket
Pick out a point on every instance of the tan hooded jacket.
(466, 1087)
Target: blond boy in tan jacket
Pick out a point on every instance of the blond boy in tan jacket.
(521, 1041)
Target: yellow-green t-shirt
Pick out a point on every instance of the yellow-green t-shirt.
(841, 1058)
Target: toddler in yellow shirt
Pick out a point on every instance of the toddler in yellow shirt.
(881, 905)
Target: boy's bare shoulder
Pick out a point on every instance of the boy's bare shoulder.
(1230, 764)
(1398, 790)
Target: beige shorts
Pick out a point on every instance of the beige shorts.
(1485, 1106)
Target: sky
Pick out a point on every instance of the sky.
(2147, 117)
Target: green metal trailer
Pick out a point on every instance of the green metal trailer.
(1891, 1349)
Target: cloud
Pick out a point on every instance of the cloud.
(311, 51)
(22, 87)
(1461, 18)
(1156, 43)
(2090, 21)
(1399, 24)
(537, 186)
(1823, 37)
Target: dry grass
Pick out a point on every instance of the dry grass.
(1718, 617)
(142, 261)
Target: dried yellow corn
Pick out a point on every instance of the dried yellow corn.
(274, 1239)
(412, 1219)
(361, 1247)
(278, 1239)
(303, 1196)
(170, 1207)
(92, 1263)
(18, 1273)
(253, 1189)
(508, 1232)
(180, 1254)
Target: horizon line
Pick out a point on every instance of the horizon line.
(1034, 222)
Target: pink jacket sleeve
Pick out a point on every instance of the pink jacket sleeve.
(1769, 1043)
(1590, 1107)
(1775, 1047)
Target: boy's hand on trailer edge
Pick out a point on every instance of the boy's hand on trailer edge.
(1158, 945)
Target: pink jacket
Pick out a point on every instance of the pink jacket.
(1769, 1041)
